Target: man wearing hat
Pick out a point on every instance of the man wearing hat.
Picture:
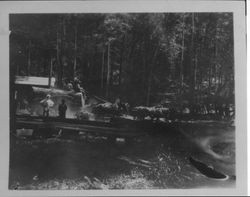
(47, 103)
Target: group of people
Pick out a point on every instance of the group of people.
(120, 106)
(47, 104)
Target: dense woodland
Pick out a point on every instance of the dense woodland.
(145, 59)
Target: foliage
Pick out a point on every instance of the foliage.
(136, 56)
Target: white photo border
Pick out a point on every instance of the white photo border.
(118, 6)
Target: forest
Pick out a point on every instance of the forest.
(146, 59)
(173, 127)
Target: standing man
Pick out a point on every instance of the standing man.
(76, 85)
(62, 109)
(47, 103)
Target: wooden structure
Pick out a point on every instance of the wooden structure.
(116, 128)
(35, 81)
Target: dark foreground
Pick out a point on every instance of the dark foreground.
(149, 162)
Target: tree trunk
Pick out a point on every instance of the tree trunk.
(150, 76)
(215, 56)
(102, 71)
(209, 77)
(108, 72)
(220, 76)
(75, 55)
(50, 71)
(149, 88)
(195, 69)
(192, 76)
(182, 52)
(144, 71)
(121, 61)
(58, 58)
(29, 59)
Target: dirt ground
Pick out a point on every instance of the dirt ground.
(150, 162)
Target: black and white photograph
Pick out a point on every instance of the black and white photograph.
(122, 101)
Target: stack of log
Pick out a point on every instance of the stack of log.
(142, 112)
(139, 113)
(106, 109)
